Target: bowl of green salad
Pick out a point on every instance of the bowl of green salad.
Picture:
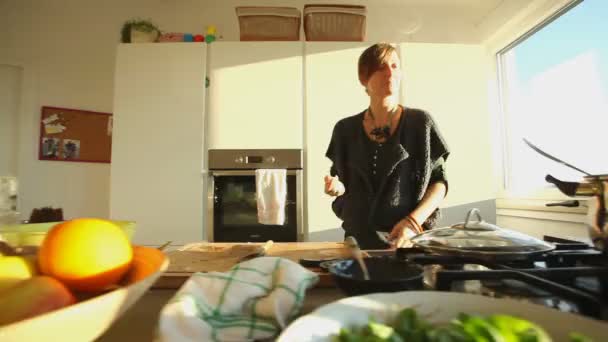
(435, 316)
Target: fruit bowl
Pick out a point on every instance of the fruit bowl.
(90, 318)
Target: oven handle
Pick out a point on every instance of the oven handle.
(221, 173)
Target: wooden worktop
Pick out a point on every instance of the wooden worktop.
(141, 321)
(220, 257)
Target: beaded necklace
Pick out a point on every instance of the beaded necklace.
(381, 132)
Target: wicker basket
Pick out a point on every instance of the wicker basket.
(269, 23)
(334, 22)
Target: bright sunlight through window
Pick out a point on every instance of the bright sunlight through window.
(554, 92)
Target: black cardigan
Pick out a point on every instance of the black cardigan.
(417, 160)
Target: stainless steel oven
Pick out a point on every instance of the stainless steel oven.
(232, 205)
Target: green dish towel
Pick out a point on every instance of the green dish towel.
(253, 300)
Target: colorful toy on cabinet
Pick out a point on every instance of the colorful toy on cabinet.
(188, 37)
(174, 37)
(211, 31)
(171, 37)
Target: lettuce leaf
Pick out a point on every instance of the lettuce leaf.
(409, 326)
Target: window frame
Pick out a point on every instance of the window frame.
(505, 195)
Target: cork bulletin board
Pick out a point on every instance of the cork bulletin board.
(75, 135)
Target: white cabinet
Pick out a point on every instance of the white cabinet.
(333, 92)
(157, 144)
(255, 95)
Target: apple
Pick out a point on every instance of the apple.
(32, 297)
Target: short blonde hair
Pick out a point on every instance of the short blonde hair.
(372, 59)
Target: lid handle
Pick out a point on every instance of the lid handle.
(480, 224)
(471, 212)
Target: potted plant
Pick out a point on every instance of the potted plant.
(139, 31)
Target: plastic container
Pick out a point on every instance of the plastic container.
(32, 234)
(334, 22)
(269, 23)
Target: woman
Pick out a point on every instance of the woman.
(388, 161)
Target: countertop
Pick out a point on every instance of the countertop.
(139, 323)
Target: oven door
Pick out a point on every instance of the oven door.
(233, 209)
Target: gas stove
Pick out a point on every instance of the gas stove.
(572, 278)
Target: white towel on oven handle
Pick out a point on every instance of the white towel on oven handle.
(271, 195)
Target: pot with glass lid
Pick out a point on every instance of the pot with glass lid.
(480, 239)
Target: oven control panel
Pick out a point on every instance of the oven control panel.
(255, 159)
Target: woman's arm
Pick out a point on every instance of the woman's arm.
(431, 200)
(435, 193)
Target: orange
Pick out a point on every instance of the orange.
(146, 261)
(86, 254)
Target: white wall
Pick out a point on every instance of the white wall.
(452, 87)
(67, 50)
(10, 91)
(333, 92)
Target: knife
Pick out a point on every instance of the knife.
(384, 235)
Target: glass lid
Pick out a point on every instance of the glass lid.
(480, 236)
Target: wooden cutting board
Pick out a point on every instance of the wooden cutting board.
(220, 257)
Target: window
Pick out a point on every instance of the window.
(554, 92)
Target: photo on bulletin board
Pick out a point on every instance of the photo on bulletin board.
(75, 135)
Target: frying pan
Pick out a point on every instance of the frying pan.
(386, 274)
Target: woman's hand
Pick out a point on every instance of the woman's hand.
(402, 232)
(333, 186)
